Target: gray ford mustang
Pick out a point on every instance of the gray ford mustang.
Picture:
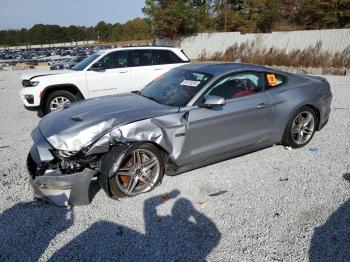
(192, 116)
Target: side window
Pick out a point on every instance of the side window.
(114, 60)
(237, 85)
(273, 80)
(162, 57)
(141, 58)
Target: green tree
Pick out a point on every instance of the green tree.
(104, 31)
(268, 16)
(177, 18)
(136, 29)
(320, 14)
(173, 19)
(116, 32)
(246, 15)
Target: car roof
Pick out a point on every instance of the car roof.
(138, 48)
(219, 68)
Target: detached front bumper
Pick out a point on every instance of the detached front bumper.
(50, 184)
(63, 190)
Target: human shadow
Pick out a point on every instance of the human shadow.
(185, 235)
(331, 241)
(26, 229)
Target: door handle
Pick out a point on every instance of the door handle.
(157, 69)
(261, 105)
(123, 71)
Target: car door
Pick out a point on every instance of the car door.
(241, 123)
(142, 68)
(112, 76)
(166, 60)
(147, 64)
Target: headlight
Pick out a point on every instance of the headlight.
(115, 134)
(28, 83)
(34, 83)
(66, 153)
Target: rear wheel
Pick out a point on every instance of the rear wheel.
(56, 100)
(139, 172)
(300, 128)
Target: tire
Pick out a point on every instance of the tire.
(60, 96)
(301, 128)
(134, 177)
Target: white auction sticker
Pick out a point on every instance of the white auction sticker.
(190, 83)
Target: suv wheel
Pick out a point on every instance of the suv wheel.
(58, 99)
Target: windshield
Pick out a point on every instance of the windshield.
(176, 88)
(77, 59)
(87, 61)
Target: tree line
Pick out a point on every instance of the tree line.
(136, 29)
(177, 18)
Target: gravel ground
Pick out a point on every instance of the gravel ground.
(272, 205)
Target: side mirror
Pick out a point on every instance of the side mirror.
(212, 101)
(98, 67)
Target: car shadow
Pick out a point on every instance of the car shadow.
(185, 235)
(331, 241)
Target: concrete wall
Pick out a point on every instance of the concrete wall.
(333, 40)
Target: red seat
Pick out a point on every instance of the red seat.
(244, 93)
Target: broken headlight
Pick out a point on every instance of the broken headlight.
(66, 153)
(116, 134)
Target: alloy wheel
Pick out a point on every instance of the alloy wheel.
(138, 173)
(58, 102)
(303, 127)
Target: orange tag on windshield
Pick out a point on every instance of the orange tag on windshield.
(271, 79)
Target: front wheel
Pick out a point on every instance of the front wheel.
(139, 172)
(301, 128)
(56, 100)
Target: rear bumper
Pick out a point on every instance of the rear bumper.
(325, 110)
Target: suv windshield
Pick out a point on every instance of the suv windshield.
(78, 59)
(176, 88)
(87, 61)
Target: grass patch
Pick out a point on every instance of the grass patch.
(251, 52)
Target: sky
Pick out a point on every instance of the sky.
(16, 14)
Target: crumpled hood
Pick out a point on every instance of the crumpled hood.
(29, 76)
(82, 123)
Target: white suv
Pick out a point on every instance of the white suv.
(103, 73)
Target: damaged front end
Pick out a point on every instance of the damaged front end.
(68, 152)
(60, 177)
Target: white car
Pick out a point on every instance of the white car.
(106, 72)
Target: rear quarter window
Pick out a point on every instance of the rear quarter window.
(274, 80)
(163, 57)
